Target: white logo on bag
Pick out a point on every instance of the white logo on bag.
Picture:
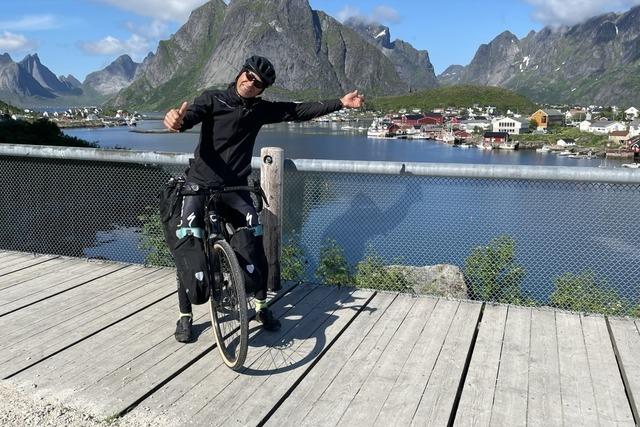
(250, 268)
(191, 217)
(200, 275)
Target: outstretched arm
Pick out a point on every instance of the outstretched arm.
(292, 111)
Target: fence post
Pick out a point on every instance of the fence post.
(271, 174)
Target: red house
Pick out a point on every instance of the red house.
(498, 137)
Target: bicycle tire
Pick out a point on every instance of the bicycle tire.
(229, 318)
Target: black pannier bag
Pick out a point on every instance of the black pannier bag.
(188, 252)
(252, 261)
(170, 205)
(191, 264)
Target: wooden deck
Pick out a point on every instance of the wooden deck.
(98, 337)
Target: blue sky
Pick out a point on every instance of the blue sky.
(80, 36)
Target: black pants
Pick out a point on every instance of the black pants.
(237, 209)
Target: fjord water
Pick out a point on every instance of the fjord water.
(558, 228)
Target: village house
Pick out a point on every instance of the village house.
(604, 127)
(631, 113)
(584, 125)
(472, 124)
(513, 126)
(546, 118)
(496, 137)
(619, 137)
(633, 144)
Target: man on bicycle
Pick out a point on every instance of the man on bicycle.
(231, 120)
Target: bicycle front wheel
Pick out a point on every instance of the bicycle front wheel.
(228, 306)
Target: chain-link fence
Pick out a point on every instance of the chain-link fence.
(467, 233)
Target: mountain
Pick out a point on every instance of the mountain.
(314, 55)
(29, 83)
(41, 74)
(597, 61)
(115, 77)
(413, 66)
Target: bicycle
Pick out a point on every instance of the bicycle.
(228, 299)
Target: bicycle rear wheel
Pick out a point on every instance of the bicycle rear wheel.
(228, 306)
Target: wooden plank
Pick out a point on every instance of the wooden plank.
(611, 401)
(294, 409)
(511, 394)
(367, 403)
(277, 369)
(18, 261)
(626, 341)
(31, 268)
(404, 398)
(545, 399)
(219, 395)
(70, 325)
(329, 407)
(476, 401)
(78, 302)
(50, 284)
(576, 387)
(439, 394)
(106, 373)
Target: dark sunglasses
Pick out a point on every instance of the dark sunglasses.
(254, 80)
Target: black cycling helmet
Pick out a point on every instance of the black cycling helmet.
(262, 67)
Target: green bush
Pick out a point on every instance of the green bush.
(333, 268)
(292, 261)
(153, 239)
(492, 273)
(372, 273)
(584, 292)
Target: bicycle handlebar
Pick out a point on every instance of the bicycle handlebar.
(194, 189)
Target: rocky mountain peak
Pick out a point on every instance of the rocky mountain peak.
(371, 31)
(114, 77)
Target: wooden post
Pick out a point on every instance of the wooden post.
(271, 178)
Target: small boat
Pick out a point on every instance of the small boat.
(509, 145)
(544, 149)
(565, 153)
(631, 165)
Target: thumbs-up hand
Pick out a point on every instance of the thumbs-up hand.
(173, 118)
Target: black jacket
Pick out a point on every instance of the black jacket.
(230, 125)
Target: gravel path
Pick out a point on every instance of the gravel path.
(19, 409)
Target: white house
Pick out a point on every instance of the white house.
(511, 125)
(634, 128)
(606, 127)
(631, 113)
(471, 125)
(584, 125)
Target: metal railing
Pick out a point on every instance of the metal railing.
(548, 236)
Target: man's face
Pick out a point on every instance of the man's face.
(249, 85)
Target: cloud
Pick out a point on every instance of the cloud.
(154, 30)
(11, 42)
(381, 15)
(386, 14)
(136, 46)
(32, 23)
(570, 12)
(166, 10)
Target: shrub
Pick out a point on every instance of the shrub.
(493, 274)
(583, 292)
(333, 268)
(292, 261)
(153, 239)
(372, 273)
